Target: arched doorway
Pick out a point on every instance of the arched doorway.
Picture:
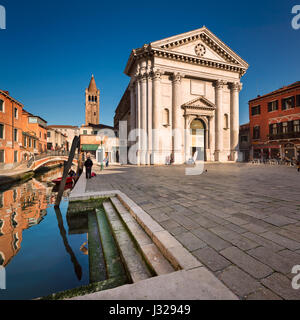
(198, 139)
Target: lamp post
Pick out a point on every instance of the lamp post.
(102, 166)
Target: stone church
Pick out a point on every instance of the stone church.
(184, 94)
(92, 103)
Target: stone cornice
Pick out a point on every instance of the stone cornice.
(149, 52)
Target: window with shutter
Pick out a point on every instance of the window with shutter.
(298, 100)
(269, 106)
(283, 106)
(293, 102)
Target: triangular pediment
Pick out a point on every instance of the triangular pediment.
(200, 102)
(201, 43)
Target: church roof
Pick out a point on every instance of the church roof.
(92, 85)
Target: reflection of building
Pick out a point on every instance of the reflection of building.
(20, 209)
(69, 131)
(56, 140)
(187, 81)
(21, 133)
(275, 123)
(245, 143)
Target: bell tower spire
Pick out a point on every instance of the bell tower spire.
(92, 103)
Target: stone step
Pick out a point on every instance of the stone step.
(97, 270)
(150, 251)
(113, 261)
(136, 267)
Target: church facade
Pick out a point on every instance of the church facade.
(183, 99)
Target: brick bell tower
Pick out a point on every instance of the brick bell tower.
(92, 103)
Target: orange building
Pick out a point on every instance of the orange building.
(21, 133)
(11, 128)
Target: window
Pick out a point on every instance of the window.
(15, 156)
(296, 126)
(166, 117)
(244, 139)
(34, 144)
(29, 142)
(45, 136)
(16, 113)
(226, 121)
(1, 156)
(1, 131)
(95, 99)
(49, 134)
(16, 135)
(255, 110)
(24, 141)
(273, 106)
(84, 131)
(95, 133)
(274, 129)
(298, 100)
(284, 127)
(1, 105)
(256, 133)
(288, 103)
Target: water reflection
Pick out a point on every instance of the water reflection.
(21, 208)
(39, 248)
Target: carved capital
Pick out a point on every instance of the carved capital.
(219, 84)
(176, 78)
(156, 74)
(236, 86)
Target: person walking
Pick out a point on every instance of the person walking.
(88, 167)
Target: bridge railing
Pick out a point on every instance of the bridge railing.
(47, 154)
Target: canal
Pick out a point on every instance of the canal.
(38, 253)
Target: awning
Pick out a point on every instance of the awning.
(89, 147)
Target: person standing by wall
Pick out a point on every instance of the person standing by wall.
(88, 167)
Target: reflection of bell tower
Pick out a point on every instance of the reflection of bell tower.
(92, 103)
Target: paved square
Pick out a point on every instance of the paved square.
(241, 221)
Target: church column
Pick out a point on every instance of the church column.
(156, 116)
(132, 107)
(212, 137)
(234, 120)
(149, 117)
(176, 118)
(138, 116)
(219, 121)
(187, 138)
(143, 114)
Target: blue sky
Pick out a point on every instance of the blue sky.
(50, 48)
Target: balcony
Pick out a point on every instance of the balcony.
(283, 136)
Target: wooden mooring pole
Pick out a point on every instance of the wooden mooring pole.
(67, 167)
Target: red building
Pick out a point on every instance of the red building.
(275, 124)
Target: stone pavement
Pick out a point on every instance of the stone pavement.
(241, 221)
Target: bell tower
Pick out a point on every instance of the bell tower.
(92, 103)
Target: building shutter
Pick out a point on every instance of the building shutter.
(277, 103)
(270, 129)
(293, 101)
(283, 107)
(269, 106)
(298, 100)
